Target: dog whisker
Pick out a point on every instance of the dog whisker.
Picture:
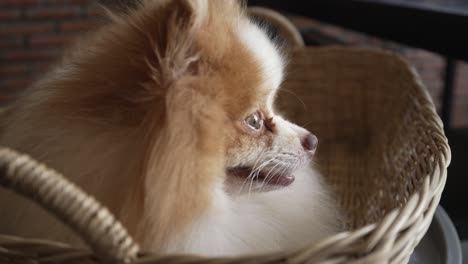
(255, 164)
(269, 173)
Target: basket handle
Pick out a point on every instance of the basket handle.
(96, 225)
(284, 26)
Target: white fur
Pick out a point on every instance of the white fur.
(264, 51)
(284, 219)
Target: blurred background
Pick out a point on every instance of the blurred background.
(430, 34)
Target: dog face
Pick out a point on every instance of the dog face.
(263, 149)
(266, 149)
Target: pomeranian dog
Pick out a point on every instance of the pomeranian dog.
(166, 116)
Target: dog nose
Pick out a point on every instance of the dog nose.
(309, 143)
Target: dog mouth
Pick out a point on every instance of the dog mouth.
(266, 177)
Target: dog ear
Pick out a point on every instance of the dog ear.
(186, 14)
(162, 42)
(194, 13)
(185, 18)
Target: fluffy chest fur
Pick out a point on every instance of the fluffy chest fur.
(285, 219)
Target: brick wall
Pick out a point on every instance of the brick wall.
(33, 33)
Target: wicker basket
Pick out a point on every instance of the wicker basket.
(382, 147)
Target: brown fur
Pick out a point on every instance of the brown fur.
(133, 113)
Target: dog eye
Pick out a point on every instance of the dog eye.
(254, 121)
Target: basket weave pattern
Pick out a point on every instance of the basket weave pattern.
(382, 147)
(380, 136)
(382, 144)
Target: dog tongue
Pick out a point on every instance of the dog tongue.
(283, 180)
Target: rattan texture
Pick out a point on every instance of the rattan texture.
(382, 147)
(58, 195)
